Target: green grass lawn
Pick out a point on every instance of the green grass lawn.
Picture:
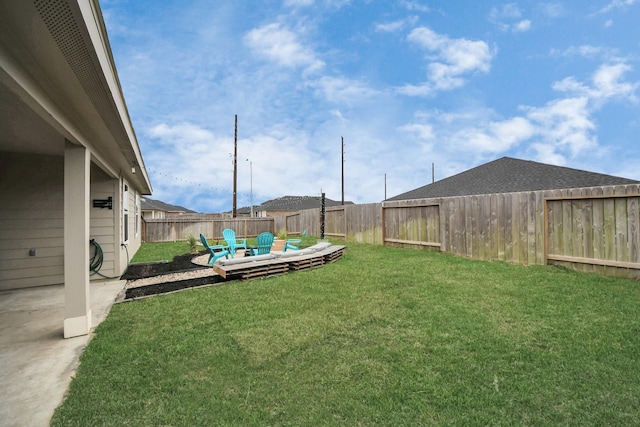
(384, 336)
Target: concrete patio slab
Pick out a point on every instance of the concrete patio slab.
(36, 362)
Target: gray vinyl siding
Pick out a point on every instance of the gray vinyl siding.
(103, 222)
(31, 217)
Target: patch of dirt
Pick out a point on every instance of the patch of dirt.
(163, 277)
(162, 288)
(178, 264)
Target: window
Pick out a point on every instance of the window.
(137, 215)
(125, 214)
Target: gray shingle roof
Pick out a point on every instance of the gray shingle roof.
(297, 203)
(148, 204)
(508, 175)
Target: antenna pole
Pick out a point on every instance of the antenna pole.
(342, 170)
(234, 212)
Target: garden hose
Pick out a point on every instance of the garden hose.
(95, 262)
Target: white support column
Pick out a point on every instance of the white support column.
(77, 318)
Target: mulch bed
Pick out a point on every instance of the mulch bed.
(179, 264)
(163, 288)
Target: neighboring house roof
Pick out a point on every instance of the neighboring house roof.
(509, 175)
(156, 205)
(297, 203)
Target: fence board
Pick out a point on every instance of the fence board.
(508, 227)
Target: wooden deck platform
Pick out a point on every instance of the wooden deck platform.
(275, 264)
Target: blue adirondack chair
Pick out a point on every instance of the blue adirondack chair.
(233, 244)
(265, 242)
(213, 255)
(294, 243)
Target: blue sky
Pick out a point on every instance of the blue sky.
(407, 83)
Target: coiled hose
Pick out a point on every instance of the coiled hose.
(96, 260)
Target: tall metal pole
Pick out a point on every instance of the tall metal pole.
(322, 218)
(251, 185)
(385, 186)
(342, 170)
(433, 173)
(234, 211)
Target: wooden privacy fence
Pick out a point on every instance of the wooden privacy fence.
(597, 231)
(175, 229)
(589, 229)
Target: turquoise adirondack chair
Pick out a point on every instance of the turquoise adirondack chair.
(294, 243)
(213, 255)
(233, 244)
(265, 242)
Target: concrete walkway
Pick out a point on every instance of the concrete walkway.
(36, 362)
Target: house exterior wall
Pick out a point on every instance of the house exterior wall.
(31, 217)
(104, 225)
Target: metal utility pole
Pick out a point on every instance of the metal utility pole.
(342, 170)
(251, 185)
(433, 173)
(385, 186)
(234, 211)
(322, 213)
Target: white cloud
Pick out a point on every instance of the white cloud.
(451, 60)
(560, 129)
(522, 26)
(565, 124)
(547, 153)
(298, 3)
(414, 5)
(617, 4)
(195, 163)
(552, 10)
(423, 132)
(394, 26)
(606, 83)
(281, 45)
(509, 10)
(341, 90)
(507, 18)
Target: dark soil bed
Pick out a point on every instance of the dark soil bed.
(178, 264)
(163, 288)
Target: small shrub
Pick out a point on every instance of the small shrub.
(282, 234)
(192, 242)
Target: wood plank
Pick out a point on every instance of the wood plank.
(523, 231)
(621, 230)
(538, 217)
(609, 226)
(597, 224)
(499, 227)
(472, 236)
(415, 242)
(577, 217)
(276, 266)
(508, 228)
(582, 260)
(633, 226)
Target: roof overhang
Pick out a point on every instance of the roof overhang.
(58, 81)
